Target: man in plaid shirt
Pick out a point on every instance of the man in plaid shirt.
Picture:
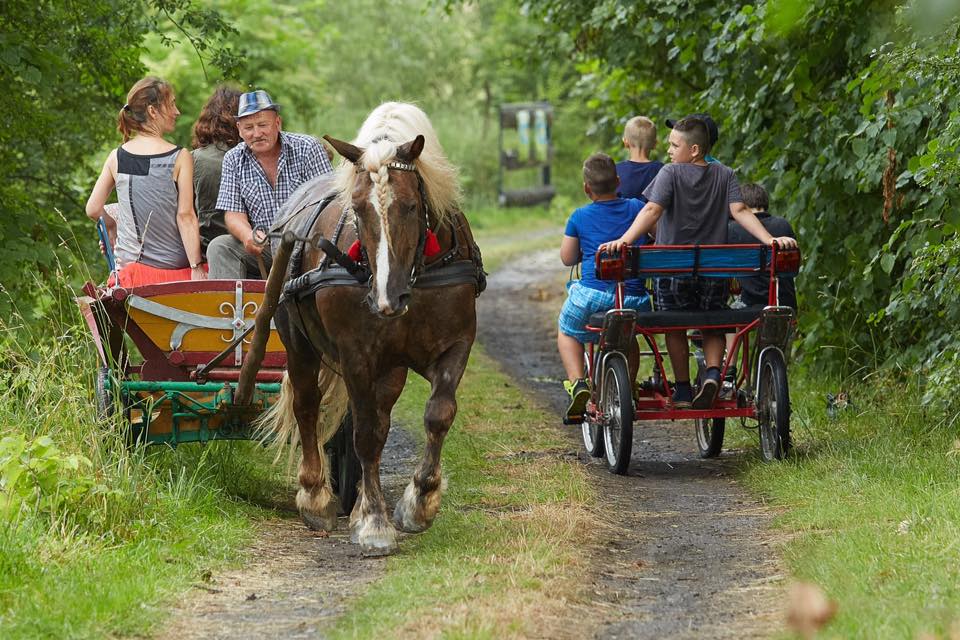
(258, 177)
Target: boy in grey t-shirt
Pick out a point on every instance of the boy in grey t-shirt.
(692, 201)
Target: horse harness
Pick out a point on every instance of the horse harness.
(338, 269)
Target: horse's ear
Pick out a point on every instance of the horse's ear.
(411, 150)
(345, 149)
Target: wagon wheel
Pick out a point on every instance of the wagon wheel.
(709, 431)
(773, 407)
(345, 467)
(617, 403)
(591, 430)
(105, 391)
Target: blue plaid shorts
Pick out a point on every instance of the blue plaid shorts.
(692, 294)
(582, 302)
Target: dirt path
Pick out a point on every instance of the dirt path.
(691, 554)
(295, 585)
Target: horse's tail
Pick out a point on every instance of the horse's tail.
(277, 426)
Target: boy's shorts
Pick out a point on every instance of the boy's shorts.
(692, 294)
(582, 302)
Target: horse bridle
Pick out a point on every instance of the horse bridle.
(421, 243)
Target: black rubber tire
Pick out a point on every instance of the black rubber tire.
(709, 431)
(773, 407)
(709, 436)
(345, 469)
(591, 431)
(106, 394)
(617, 407)
(592, 438)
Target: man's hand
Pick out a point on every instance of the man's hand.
(784, 242)
(198, 274)
(611, 247)
(252, 245)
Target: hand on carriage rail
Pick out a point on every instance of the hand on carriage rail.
(612, 247)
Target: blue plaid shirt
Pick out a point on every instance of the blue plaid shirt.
(244, 186)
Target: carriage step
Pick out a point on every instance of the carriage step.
(573, 420)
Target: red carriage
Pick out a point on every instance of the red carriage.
(762, 337)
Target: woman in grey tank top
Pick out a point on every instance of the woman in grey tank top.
(155, 233)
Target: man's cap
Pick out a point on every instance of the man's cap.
(254, 102)
(712, 129)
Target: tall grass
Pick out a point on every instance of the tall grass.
(871, 509)
(93, 553)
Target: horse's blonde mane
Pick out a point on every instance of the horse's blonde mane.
(389, 126)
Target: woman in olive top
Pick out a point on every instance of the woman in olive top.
(214, 133)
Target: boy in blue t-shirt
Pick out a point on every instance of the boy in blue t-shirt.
(639, 138)
(607, 218)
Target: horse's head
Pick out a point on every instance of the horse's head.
(391, 213)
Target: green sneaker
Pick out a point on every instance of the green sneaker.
(579, 393)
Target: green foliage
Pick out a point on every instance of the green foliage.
(36, 475)
(330, 63)
(65, 68)
(818, 126)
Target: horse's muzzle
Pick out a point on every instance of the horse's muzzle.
(391, 308)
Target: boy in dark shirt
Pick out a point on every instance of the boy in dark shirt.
(754, 290)
(608, 216)
(639, 138)
(692, 200)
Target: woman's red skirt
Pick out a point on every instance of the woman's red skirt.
(138, 274)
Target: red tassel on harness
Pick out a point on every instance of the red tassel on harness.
(431, 247)
(354, 251)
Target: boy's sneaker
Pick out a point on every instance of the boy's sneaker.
(707, 393)
(579, 393)
(682, 395)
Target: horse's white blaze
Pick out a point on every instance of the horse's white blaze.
(383, 246)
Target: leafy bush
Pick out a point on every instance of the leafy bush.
(854, 137)
(36, 475)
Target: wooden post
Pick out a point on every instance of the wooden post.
(261, 331)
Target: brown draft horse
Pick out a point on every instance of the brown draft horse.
(395, 184)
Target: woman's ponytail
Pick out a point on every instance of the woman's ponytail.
(133, 115)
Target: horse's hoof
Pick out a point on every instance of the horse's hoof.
(375, 535)
(318, 509)
(415, 516)
(405, 521)
(374, 551)
(315, 522)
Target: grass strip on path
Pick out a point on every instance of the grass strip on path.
(871, 510)
(505, 555)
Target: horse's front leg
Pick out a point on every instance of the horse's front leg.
(372, 401)
(421, 500)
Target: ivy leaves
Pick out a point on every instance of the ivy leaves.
(848, 117)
